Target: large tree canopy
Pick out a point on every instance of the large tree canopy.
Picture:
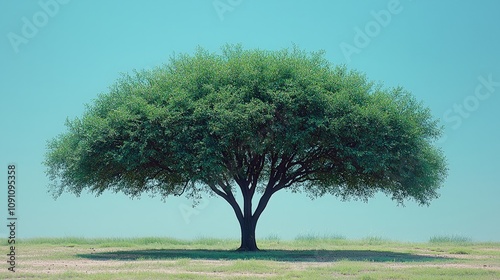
(254, 121)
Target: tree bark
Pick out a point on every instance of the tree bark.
(248, 224)
(249, 221)
(248, 242)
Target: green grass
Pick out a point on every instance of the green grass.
(306, 257)
(316, 237)
(450, 239)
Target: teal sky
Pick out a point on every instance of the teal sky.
(56, 56)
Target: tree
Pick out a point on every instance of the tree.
(250, 122)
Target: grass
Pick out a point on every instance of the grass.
(306, 257)
(450, 239)
(316, 237)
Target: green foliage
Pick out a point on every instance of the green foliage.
(262, 120)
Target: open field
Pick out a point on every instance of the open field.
(307, 257)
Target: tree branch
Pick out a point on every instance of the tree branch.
(257, 166)
(183, 189)
(160, 165)
(264, 200)
(228, 196)
(217, 191)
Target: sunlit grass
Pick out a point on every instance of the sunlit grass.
(375, 240)
(204, 241)
(310, 256)
(450, 239)
(318, 237)
(122, 242)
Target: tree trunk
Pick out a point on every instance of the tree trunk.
(248, 221)
(247, 224)
(248, 242)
